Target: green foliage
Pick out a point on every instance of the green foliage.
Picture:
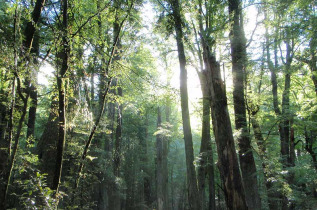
(30, 187)
(144, 66)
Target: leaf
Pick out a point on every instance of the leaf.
(91, 158)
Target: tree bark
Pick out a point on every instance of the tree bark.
(313, 52)
(206, 164)
(33, 89)
(285, 143)
(31, 44)
(239, 59)
(161, 202)
(193, 195)
(117, 153)
(292, 155)
(117, 144)
(165, 155)
(227, 157)
(63, 57)
(146, 184)
(309, 139)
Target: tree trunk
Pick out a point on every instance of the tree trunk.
(227, 157)
(7, 129)
(193, 195)
(143, 136)
(161, 160)
(309, 139)
(31, 44)
(145, 186)
(165, 157)
(8, 171)
(32, 111)
(33, 89)
(117, 144)
(117, 154)
(313, 53)
(31, 26)
(285, 143)
(239, 59)
(206, 165)
(292, 144)
(63, 57)
(161, 202)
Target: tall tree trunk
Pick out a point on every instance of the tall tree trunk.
(143, 137)
(227, 157)
(31, 44)
(211, 177)
(161, 159)
(117, 154)
(161, 202)
(106, 140)
(206, 165)
(165, 155)
(285, 143)
(31, 26)
(239, 59)
(117, 144)
(292, 155)
(313, 52)
(33, 89)
(193, 195)
(63, 57)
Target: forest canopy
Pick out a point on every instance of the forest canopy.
(158, 104)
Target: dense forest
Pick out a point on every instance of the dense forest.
(158, 104)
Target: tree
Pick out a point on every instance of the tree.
(112, 65)
(63, 59)
(191, 174)
(27, 46)
(162, 202)
(239, 61)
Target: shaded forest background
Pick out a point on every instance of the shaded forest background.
(159, 104)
